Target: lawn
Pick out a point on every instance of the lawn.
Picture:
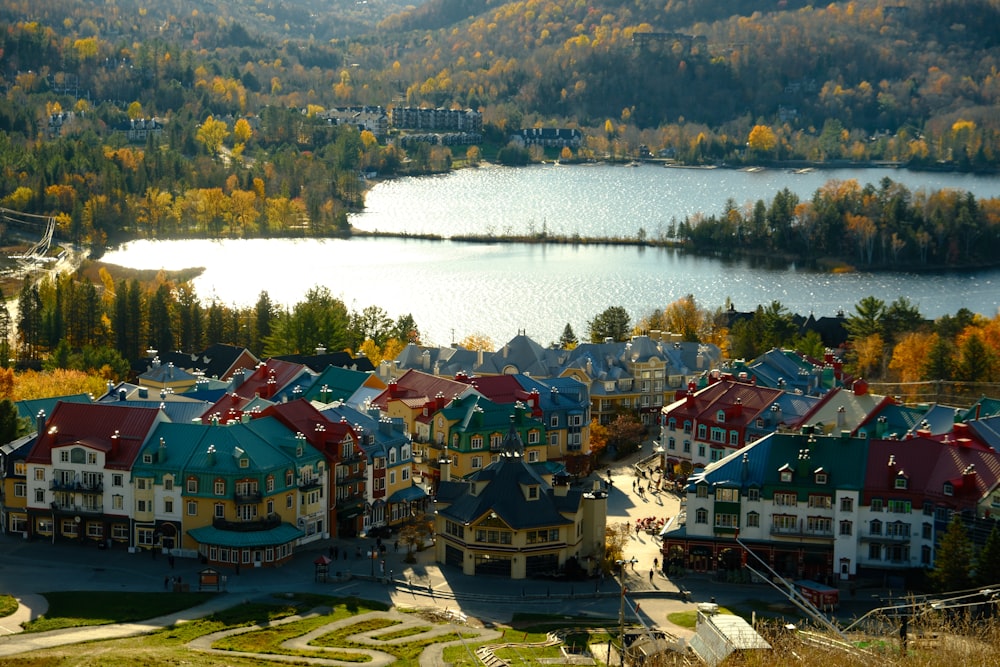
(8, 605)
(71, 609)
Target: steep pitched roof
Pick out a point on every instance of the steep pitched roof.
(265, 383)
(318, 362)
(499, 488)
(119, 431)
(29, 408)
(419, 388)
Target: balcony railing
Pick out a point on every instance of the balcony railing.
(247, 497)
(59, 485)
(269, 522)
(884, 537)
(353, 457)
(77, 509)
(798, 531)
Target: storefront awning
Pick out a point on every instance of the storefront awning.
(282, 534)
(407, 494)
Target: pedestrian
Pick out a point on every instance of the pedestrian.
(634, 482)
(395, 546)
(656, 563)
(650, 575)
(637, 529)
(609, 473)
(633, 564)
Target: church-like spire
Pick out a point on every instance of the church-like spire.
(512, 445)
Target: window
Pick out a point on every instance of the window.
(897, 529)
(92, 458)
(876, 504)
(687, 446)
(219, 511)
(476, 442)
(64, 456)
(753, 520)
(819, 524)
(39, 474)
(671, 444)
(168, 506)
(220, 487)
(117, 502)
(786, 476)
(786, 499)
(875, 551)
(553, 439)
(701, 451)
(687, 426)
(289, 501)
(821, 502)
(672, 423)
(727, 521)
(821, 478)
(168, 483)
(734, 438)
(21, 469)
(701, 516)
(147, 458)
(269, 483)
(927, 532)
(496, 439)
(899, 506)
(140, 505)
(392, 477)
(925, 555)
(949, 489)
(118, 479)
(554, 421)
(477, 462)
(702, 431)
(846, 528)
(192, 485)
(875, 527)
(405, 474)
(720, 416)
(718, 434)
(727, 495)
(140, 483)
(901, 482)
(20, 490)
(847, 504)
(533, 437)
(702, 491)
(39, 495)
(192, 508)
(785, 523)
(532, 456)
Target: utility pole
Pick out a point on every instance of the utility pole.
(621, 611)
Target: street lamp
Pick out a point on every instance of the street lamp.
(621, 611)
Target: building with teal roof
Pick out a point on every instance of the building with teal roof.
(244, 494)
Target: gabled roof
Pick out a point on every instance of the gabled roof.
(319, 431)
(519, 355)
(117, 430)
(384, 433)
(340, 384)
(499, 488)
(216, 361)
(29, 408)
(928, 464)
(758, 464)
(318, 362)
(419, 388)
(983, 408)
(857, 404)
(164, 374)
(257, 390)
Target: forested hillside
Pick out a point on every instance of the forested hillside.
(235, 89)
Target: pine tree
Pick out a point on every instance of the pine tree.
(953, 560)
(568, 339)
(988, 561)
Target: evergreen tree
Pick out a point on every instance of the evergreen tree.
(161, 335)
(29, 322)
(263, 314)
(976, 361)
(988, 561)
(5, 334)
(939, 363)
(613, 323)
(405, 329)
(10, 424)
(953, 560)
(568, 339)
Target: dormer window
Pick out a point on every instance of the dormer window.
(720, 416)
(785, 474)
(820, 476)
(532, 492)
(244, 462)
(901, 481)
(949, 489)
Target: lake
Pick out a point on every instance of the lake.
(455, 289)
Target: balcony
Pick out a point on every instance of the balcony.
(58, 485)
(269, 522)
(248, 497)
(884, 537)
(353, 457)
(797, 531)
(307, 483)
(72, 508)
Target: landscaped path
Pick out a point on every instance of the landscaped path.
(431, 655)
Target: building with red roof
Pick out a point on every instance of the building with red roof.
(79, 471)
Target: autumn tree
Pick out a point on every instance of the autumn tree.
(616, 539)
(598, 440)
(867, 354)
(762, 140)
(478, 341)
(211, 134)
(625, 434)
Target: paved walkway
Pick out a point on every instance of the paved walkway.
(30, 568)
